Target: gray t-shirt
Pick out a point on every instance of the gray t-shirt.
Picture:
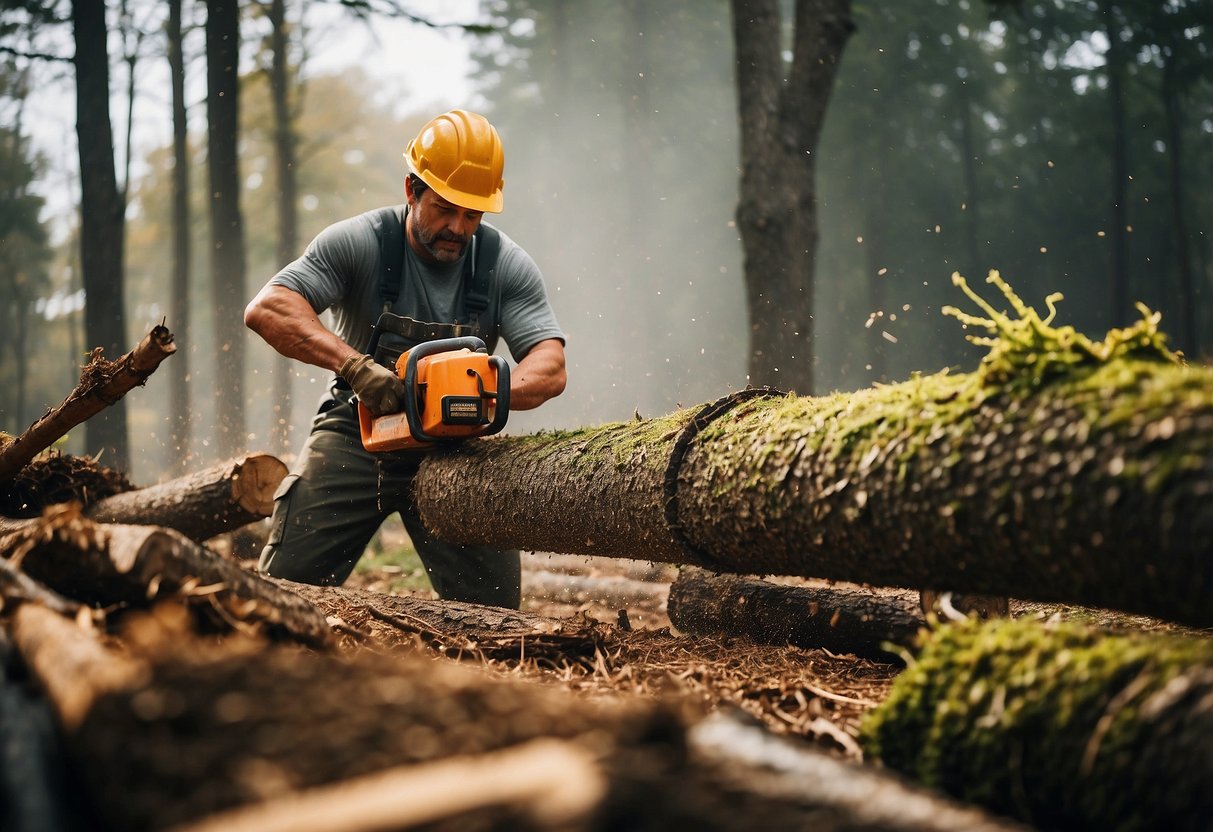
(340, 272)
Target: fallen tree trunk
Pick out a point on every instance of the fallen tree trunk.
(219, 499)
(840, 620)
(101, 384)
(1060, 725)
(106, 564)
(1053, 473)
(70, 663)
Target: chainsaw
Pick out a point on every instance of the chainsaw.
(453, 389)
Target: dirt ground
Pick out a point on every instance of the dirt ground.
(812, 694)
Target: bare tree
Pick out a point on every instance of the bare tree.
(227, 224)
(179, 372)
(782, 110)
(102, 220)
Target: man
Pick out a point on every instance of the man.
(338, 494)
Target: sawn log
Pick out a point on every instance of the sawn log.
(1062, 470)
(201, 505)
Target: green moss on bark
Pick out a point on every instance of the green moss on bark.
(1059, 725)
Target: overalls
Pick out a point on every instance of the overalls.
(327, 511)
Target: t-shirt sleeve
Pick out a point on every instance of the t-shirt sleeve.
(526, 315)
(322, 273)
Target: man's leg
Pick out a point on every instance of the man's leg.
(324, 515)
(478, 574)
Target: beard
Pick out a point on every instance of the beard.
(430, 239)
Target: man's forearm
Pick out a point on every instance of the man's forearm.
(287, 322)
(538, 377)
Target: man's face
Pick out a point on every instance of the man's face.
(441, 229)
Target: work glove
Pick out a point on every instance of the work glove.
(376, 386)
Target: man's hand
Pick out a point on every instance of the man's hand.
(377, 387)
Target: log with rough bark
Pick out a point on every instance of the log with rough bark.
(201, 505)
(840, 620)
(456, 628)
(102, 383)
(1061, 725)
(1062, 470)
(108, 564)
(69, 661)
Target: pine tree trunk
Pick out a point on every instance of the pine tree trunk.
(1092, 489)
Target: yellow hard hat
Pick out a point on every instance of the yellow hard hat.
(459, 155)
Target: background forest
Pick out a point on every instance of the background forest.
(1067, 144)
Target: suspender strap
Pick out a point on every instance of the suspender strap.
(479, 270)
(479, 267)
(391, 253)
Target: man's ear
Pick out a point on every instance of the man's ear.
(408, 191)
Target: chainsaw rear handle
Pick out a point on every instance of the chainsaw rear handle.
(427, 348)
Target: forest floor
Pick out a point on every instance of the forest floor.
(809, 693)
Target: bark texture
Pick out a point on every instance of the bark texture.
(840, 620)
(204, 504)
(1061, 471)
(1062, 726)
(70, 663)
(102, 383)
(104, 564)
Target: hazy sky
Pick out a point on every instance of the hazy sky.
(420, 65)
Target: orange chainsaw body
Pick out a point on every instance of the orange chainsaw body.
(453, 390)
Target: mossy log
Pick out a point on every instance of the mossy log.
(840, 620)
(106, 564)
(1059, 725)
(201, 505)
(1060, 471)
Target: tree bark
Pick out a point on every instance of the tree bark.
(102, 217)
(781, 124)
(228, 291)
(288, 227)
(1089, 489)
(69, 662)
(1118, 201)
(1067, 727)
(453, 627)
(839, 620)
(106, 564)
(102, 384)
(200, 505)
(180, 412)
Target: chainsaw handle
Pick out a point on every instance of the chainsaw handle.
(502, 408)
(422, 350)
